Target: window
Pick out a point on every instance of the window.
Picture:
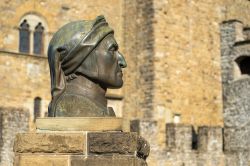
(38, 39)
(33, 34)
(24, 37)
(37, 107)
(243, 63)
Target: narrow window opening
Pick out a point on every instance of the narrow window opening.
(37, 107)
(24, 37)
(243, 63)
(38, 39)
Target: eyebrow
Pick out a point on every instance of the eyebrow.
(113, 45)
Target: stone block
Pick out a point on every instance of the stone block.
(50, 143)
(112, 142)
(106, 161)
(210, 139)
(237, 139)
(231, 32)
(41, 160)
(79, 124)
(237, 158)
(179, 137)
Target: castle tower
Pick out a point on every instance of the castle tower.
(235, 64)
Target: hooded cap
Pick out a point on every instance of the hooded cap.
(63, 59)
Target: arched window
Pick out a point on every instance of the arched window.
(37, 107)
(38, 39)
(24, 37)
(37, 32)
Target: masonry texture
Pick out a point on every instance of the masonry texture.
(173, 51)
(12, 122)
(235, 52)
(81, 148)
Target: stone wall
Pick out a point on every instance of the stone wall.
(181, 75)
(235, 55)
(183, 145)
(23, 78)
(12, 121)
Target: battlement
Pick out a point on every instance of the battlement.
(183, 137)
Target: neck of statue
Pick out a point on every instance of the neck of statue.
(85, 87)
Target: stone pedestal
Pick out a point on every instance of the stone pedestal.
(55, 144)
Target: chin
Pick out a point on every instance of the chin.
(116, 85)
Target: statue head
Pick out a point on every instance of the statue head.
(85, 49)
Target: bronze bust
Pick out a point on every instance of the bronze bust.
(84, 61)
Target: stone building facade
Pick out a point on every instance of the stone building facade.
(173, 51)
(235, 60)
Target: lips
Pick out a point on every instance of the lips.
(120, 73)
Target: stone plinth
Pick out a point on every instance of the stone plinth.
(65, 147)
(79, 124)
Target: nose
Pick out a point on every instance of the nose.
(121, 60)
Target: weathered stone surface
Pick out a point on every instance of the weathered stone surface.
(41, 160)
(79, 124)
(210, 139)
(50, 143)
(237, 139)
(210, 159)
(12, 121)
(237, 159)
(235, 51)
(143, 148)
(148, 129)
(236, 102)
(106, 161)
(179, 137)
(112, 142)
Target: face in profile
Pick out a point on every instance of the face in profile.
(109, 63)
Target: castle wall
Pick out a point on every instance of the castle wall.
(23, 78)
(183, 145)
(181, 75)
(235, 55)
(13, 121)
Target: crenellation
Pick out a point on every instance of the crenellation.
(210, 139)
(178, 137)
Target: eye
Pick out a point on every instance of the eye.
(112, 48)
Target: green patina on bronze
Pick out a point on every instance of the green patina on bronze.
(79, 79)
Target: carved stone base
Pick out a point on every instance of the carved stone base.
(79, 148)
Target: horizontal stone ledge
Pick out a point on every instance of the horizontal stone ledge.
(77, 160)
(50, 143)
(79, 124)
(107, 161)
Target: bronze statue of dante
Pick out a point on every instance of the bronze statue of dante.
(84, 61)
